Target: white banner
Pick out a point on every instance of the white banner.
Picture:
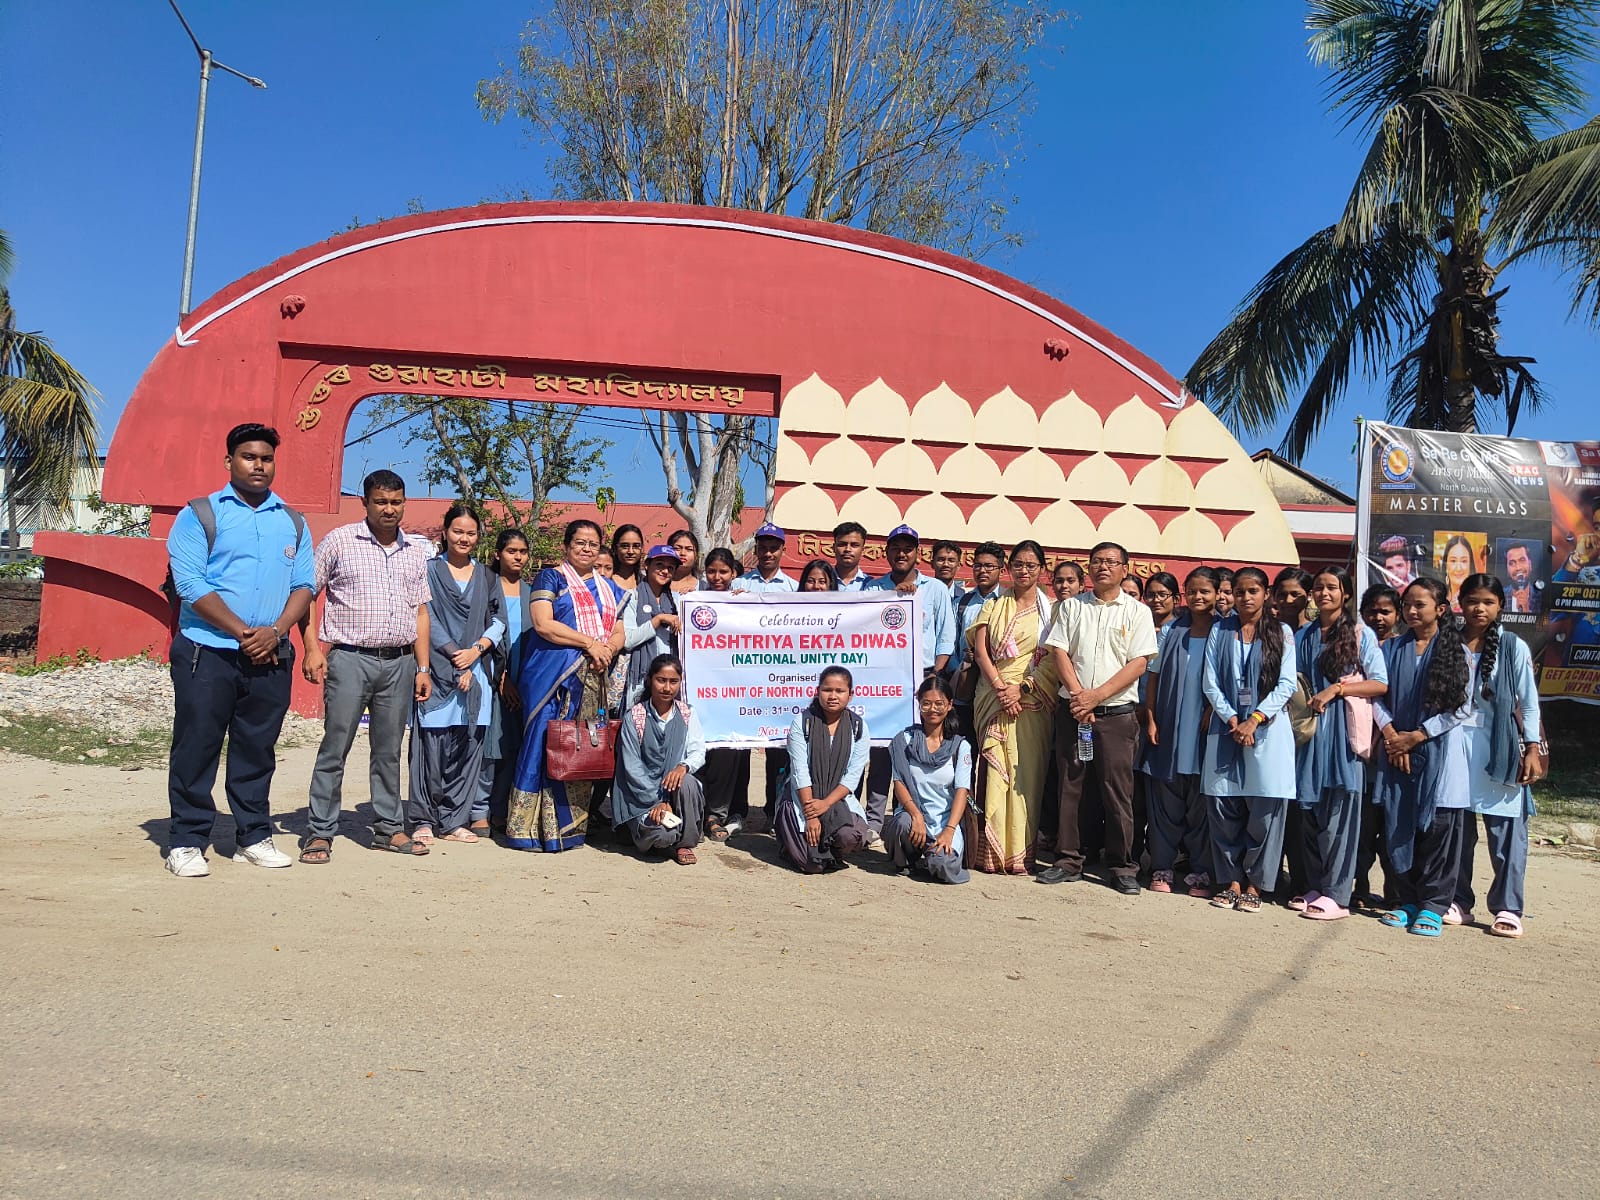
(751, 661)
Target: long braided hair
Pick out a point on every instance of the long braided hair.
(1447, 673)
(1491, 635)
(1341, 646)
(1269, 631)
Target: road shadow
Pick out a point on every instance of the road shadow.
(354, 824)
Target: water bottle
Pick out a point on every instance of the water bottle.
(1085, 742)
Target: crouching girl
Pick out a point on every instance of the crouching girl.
(932, 772)
(819, 818)
(655, 796)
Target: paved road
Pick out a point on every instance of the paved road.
(484, 1023)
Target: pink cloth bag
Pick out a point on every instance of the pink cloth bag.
(1358, 720)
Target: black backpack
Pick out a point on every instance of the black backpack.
(207, 516)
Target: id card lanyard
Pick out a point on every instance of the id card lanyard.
(1247, 677)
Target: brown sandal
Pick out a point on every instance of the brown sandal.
(316, 851)
(684, 857)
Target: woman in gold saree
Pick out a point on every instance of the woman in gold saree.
(1013, 713)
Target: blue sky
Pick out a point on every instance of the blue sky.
(1177, 151)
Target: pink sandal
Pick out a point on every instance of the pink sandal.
(1161, 881)
(1506, 925)
(1324, 909)
(422, 835)
(459, 835)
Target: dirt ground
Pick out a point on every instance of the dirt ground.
(485, 1023)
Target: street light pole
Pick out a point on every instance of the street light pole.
(206, 63)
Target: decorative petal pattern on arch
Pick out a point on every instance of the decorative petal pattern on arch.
(1003, 468)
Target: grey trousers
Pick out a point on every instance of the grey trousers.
(358, 683)
(1247, 840)
(446, 772)
(1508, 851)
(1332, 831)
(1178, 822)
(943, 868)
(689, 803)
(879, 785)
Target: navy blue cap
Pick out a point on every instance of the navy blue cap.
(772, 531)
(663, 551)
(902, 531)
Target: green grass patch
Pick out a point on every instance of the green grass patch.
(57, 740)
(1573, 788)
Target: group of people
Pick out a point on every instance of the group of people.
(1232, 736)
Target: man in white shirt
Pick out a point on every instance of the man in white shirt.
(849, 540)
(1102, 641)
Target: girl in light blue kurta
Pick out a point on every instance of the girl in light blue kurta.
(1342, 662)
(447, 737)
(931, 769)
(1502, 753)
(1249, 765)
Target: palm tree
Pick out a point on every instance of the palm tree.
(1469, 169)
(47, 411)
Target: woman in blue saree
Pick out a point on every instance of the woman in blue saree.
(575, 638)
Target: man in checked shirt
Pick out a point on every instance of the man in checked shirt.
(373, 580)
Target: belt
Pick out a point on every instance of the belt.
(390, 651)
(1115, 710)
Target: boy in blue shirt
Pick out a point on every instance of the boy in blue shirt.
(242, 573)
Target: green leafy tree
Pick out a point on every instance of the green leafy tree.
(899, 116)
(1468, 170)
(504, 457)
(47, 411)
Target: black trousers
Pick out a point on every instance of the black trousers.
(1371, 852)
(1435, 862)
(217, 694)
(726, 781)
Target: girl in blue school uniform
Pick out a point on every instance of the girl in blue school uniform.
(1423, 784)
(1248, 775)
(1347, 672)
(1502, 751)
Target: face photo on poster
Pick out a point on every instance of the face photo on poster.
(1447, 505)
(1457, 554)
(1522, 565)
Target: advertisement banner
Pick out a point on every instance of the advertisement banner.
(1446, 505)
(751, 661)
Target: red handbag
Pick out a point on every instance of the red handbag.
(577, 750)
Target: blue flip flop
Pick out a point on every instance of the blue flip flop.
(1427, 924)
(1400, 918)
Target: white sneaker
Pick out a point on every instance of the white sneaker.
(262, 854)
(187, 863)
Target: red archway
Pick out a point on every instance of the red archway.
(867, 348)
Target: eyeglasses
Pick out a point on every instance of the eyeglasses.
(1025, 566)
(1158, 595)
(1106, 562)
(576, 545)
